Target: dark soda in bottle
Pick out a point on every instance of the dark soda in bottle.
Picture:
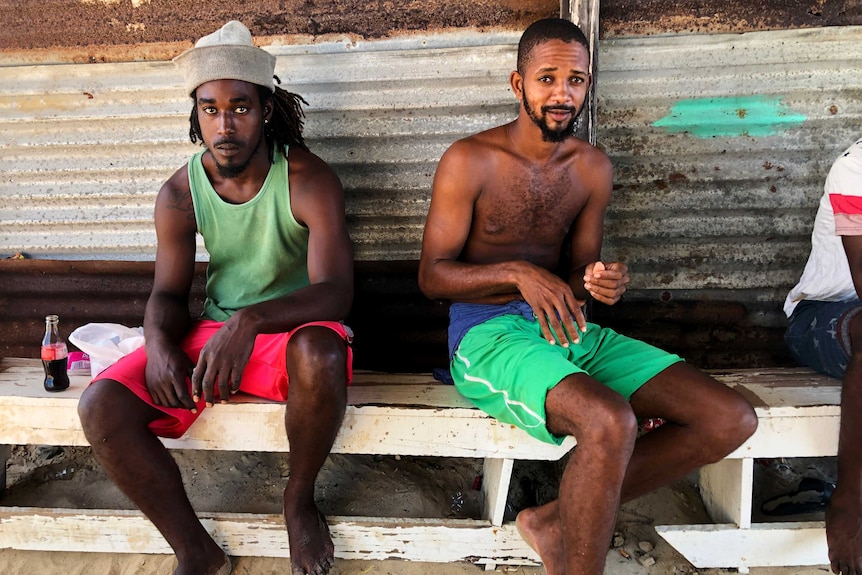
(54, 356)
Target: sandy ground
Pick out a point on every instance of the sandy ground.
(360, 485)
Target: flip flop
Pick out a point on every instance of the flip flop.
(812, 495)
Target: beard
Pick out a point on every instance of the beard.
(229, 172)
(562, 132)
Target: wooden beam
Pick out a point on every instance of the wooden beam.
(763, 545)
(585, 14)
(726, 489)
(382, 418)
(109, 531)
(495, 485)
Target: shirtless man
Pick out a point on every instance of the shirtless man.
(280, 277)
(505, 205)
(824, 332)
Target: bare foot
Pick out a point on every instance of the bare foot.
(311, 548)
(540, 528)
(844, 534)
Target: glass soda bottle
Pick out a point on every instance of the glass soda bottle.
(54, 356)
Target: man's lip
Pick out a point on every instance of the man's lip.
(227, 148)
(559, 114)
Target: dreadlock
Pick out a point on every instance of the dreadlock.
(284, 128)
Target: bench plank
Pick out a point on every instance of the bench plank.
(395, 414)
(763, 545)
(382, 418)
(110, 531)
(798, 413)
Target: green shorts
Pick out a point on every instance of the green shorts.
(506, 368)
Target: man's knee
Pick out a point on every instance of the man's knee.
(605, 420)
(101, 410)
(317, 350)
(732, 421)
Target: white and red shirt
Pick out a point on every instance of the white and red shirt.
(827, 274)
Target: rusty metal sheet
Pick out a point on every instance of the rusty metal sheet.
(95, 31)
(651, 17)
(86, 147)
(720, 145)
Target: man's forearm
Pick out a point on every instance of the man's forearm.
(461, 281)
(166, 320)
(324, 301)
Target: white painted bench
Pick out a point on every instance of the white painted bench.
(798, 412)
(396, 414)
(387, 415)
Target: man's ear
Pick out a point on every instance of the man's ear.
(268, 107)
(516, 81)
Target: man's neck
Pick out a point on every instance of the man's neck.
(241, 187)
(526, 139)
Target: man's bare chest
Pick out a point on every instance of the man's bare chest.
(532, 205)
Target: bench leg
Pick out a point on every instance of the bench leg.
(726, 488)
(5, 452)
(495, 485)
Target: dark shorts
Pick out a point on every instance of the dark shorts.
(818, 334)
(265, 374)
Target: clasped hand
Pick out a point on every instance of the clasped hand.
(554, 304)
(606, 283)
(220, 365)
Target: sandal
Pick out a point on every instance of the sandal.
(811, 496)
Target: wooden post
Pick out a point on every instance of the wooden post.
(585, 13)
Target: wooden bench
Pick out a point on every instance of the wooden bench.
(798, 414)
(386, 415)
(397, 414)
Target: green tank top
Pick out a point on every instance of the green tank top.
(258, 251)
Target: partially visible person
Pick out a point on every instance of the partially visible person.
(513, 238)
(824, 332)
(279, 280)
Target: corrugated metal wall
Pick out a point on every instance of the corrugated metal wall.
(712, 216)
(728, 202)
(85, 147)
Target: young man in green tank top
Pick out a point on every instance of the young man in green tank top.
(279, 280)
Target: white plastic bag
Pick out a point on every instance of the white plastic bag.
(106, 343)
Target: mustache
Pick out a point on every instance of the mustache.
(571, 109)
(224, 141)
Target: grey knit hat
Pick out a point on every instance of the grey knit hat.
(226, 54)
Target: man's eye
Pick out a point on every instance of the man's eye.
(242, 110)
(209, 110)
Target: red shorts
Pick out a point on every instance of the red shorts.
(265, 374)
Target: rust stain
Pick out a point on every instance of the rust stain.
(121, 30)
(650, 17)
